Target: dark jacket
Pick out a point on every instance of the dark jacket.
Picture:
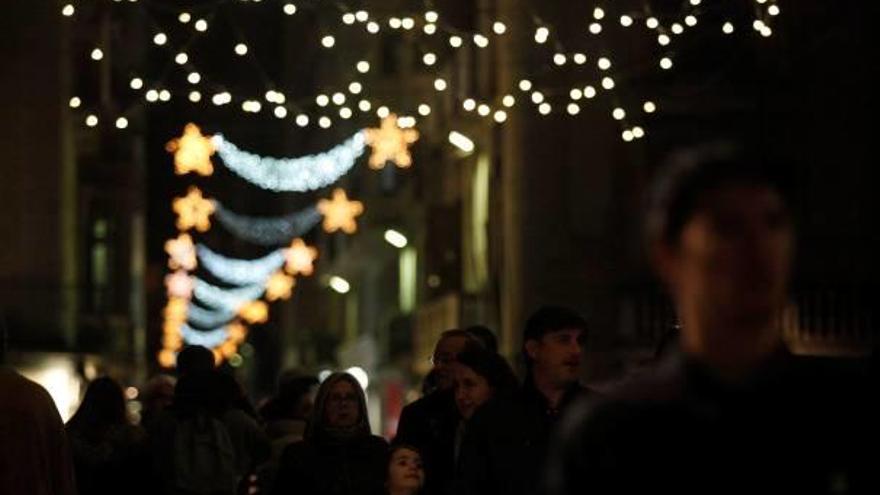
(798, 425)
(429, 424)
(505, 445)
(328, 462)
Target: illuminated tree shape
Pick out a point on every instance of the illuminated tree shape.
(179, 284)
(193, 211)
(301, 258)
(339, 212)
(390, 143)
(237, 332)
(255, 312)
(279, 286)
(175, 310)
(192, 152)
(181, 253)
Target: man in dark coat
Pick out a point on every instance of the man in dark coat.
(505, 446)
(731, 411)
(430, 422)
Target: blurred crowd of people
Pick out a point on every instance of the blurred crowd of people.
(726, 408)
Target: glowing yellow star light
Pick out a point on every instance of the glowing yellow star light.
(193, 211)
(236, 332)
(181, 253)
(192, 152)
(301, 258)
(179, 284)
(175, 311)
(339, 212)
(279, 286)
(391, 143)
(255, 312)
(167, 358)
(227, 349)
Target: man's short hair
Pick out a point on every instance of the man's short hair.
(691, 172)
(194, 359)
(552, 319)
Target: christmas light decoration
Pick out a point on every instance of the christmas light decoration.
(270, 231)
(192, 152)
(339, 212)
(292, 174)
(300, 258)
(205, 338)
(175, 310)
(179, 284)
(390, 143)
(181, 253)
(209, 318)
(226, 299)
(238, 271)
(279, 286)
(193, 210)
(254, 312)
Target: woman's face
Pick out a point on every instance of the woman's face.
(471, 390)
(405, 471)
(341, 407)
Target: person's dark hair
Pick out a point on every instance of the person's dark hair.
(317, 429)
(549, 319)
(484, 336)
(102, 406)
(681, 183)
(493, 367)
(200, 392)
(194, 359)
(290, 393)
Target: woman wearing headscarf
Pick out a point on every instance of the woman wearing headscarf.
(338, 454)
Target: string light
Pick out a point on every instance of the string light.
(181, 58)
(345, 113)
(484, 110)
(184, 17)
(194, 77)
(226, 299)
(208, 318)
(727, 28)
(424, 110)
(469, 104)
(455, 41)
(361, 16)
(355, 88)
(289, 9)
(241, 49)
(292, 174)
(195, 96)
(537, 97)
(348, 19)
(136, 83)
(677, 28)
(649, 107)
(91, 120)
(607, 83)
(68, 10)
(696, 2)
(652, 22)
(481, 41)
(364, 105)
(626, 21)
(627, 135)
(152, 95)
(395, 23)
(665, 63)
(164, 95)
(201, 25)
(121, 123)
(431, 16)
(440, 84)
(690, 20)
(75, 102)
(221, 98)
(251, 106)
(205, 338)
(267, 231)
(234, 271)
(322, 100)
(338, 98)
(363, 67)
(328, 41)
(383, 112)
(499, 28)
(595, 28)
(573, 109)
(160, 39)
(541, 35)
(429, 59)
(302, 120)
(525, 85)
(430, 29)
(589, 92)
(598, 13)
(638, 132)
(97, 54)
(500, 116)
(576, 94)
(773, 10)
(618, 113)
(280, 112)
(579, 58)
(372, 27)
(559, 59)
(508, 101)
(603, 63)
(545, 109)
(766, 31)
(408, 23)
(663, 40)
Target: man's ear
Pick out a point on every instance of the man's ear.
(531, 347)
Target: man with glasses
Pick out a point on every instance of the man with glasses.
(430, 422)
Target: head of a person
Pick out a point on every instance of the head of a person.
(553, 345)
(103, 405)
(158, 393)
(450, 345)
(721, 239)
(406, 474)
(194, 359)
(340, 409)
(294, 400)
(480, 375)
(484, 336)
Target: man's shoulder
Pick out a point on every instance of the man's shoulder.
(16, 389)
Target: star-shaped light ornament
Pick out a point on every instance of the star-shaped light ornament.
(179, 284)
(167, 358)
(255, 312)
(300, 258)
(175, 312)
(279, 286)
(193, 210)
(339, 212)
(390, 143)
(192, 152)
(236, 332)
(181, 253)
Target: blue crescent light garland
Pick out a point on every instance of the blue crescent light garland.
(208, 318)
(237, 271)
(271, 231)
(301, 174)
(206, 338)
(228, 299)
